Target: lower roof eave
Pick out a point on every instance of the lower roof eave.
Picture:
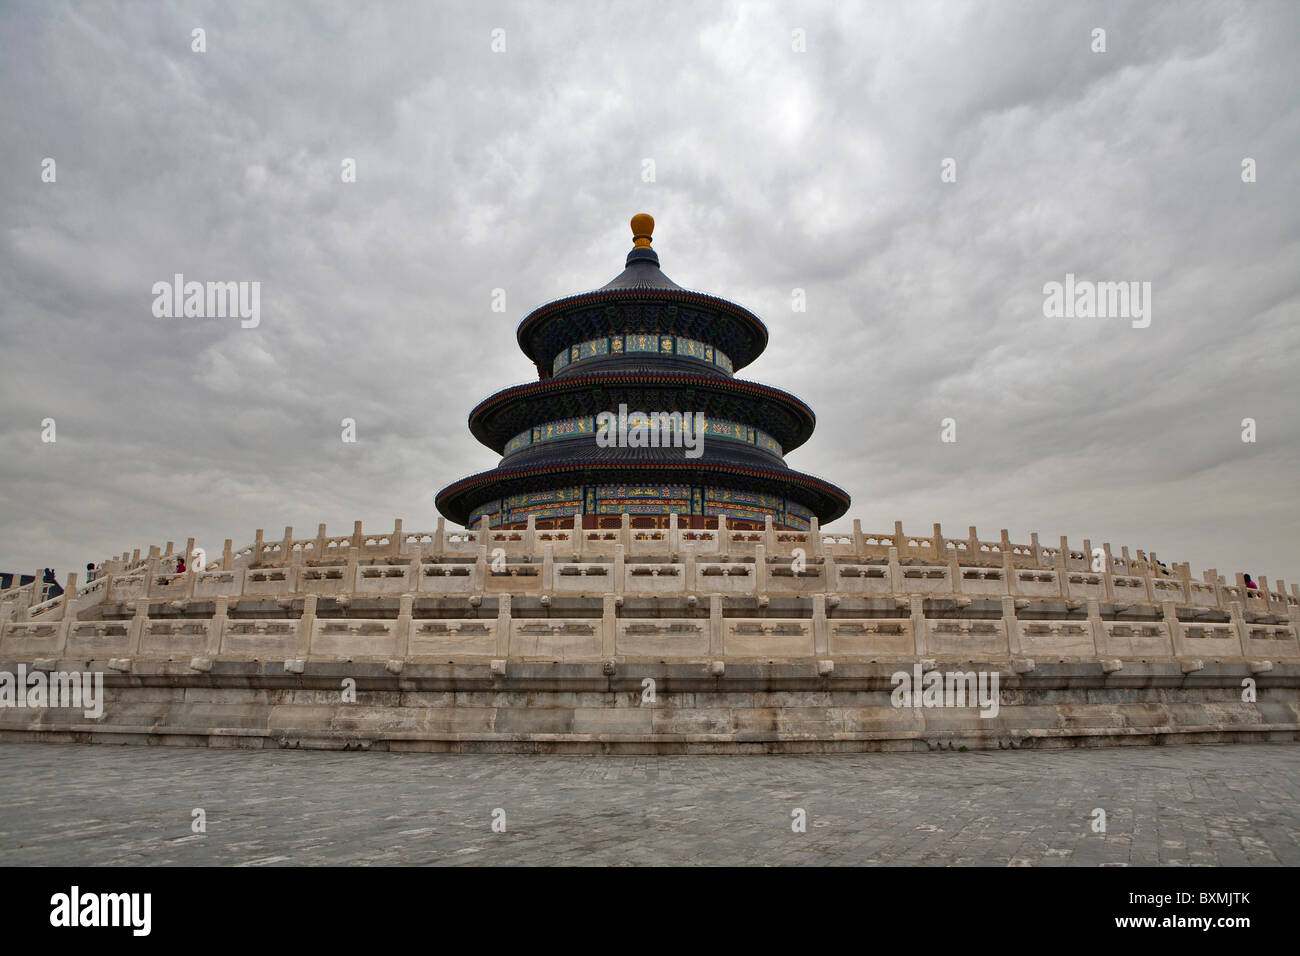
(458, 500)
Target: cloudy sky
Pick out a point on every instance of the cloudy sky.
(774, 169)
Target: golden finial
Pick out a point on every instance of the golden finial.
(643, 227)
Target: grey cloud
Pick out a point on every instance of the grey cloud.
(775, 170)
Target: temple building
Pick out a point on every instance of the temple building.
(642, 574)
(660, 362)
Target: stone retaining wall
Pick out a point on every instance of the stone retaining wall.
(753, 707)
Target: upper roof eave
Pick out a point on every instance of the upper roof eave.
(542, 312)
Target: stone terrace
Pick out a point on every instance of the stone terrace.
(623, 593)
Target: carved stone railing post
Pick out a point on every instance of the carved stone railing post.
(137, 626)
(609, 627)
(717, 636)
(1237, 613)
(1263, 592)
(619, 566)
(402, 632)
(1211, 577)
(307, 624)
(151, 573)
(353, 572)
(62, 634)
(23, 603)
(548, 567)
(1100, 639)
(1011, 624)
(503, 625)
(921, 637)
(217, 627)
(65, 610)
(895, 572)
(1146, 572)
(31, 598)
(192, 569)
(1174, 628)
(760, 570)
(821, 628)
(65, 614)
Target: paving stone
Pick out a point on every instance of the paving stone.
(1183, 806)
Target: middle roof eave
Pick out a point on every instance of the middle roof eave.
(501, 416)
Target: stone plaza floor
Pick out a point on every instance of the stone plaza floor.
(87, 805)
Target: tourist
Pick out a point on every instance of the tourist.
(50, 585)
(180, 565)
(1250, 584)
